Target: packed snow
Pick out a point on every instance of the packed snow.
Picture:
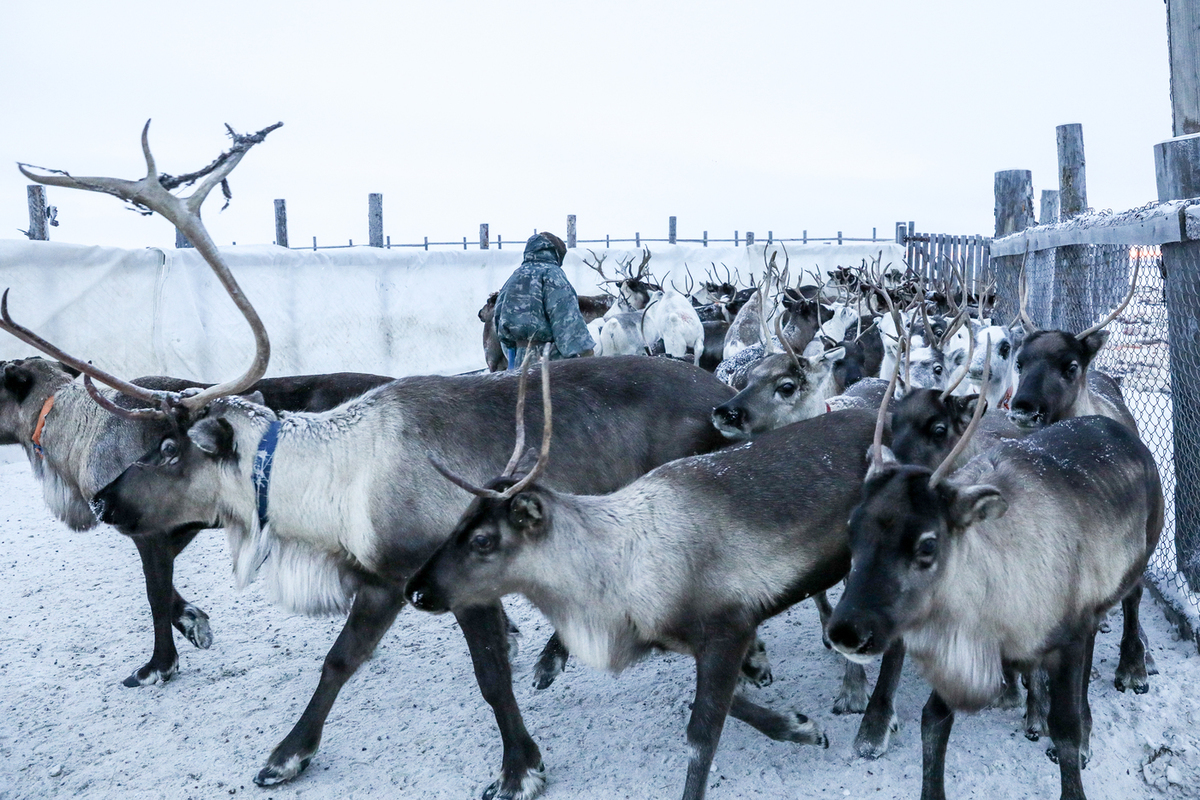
(413, 724)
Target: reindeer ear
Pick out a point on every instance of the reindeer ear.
(213, 436)
(964, 409)
(835, 354)
(888, 457)
(526, 513)
(1093, 342)
(18, 380)
(971, 504)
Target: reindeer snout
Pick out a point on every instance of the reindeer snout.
(855, 641)
(1025, 413)
(729, 419)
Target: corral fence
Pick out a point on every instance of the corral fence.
(1077, 272)
(933, 255)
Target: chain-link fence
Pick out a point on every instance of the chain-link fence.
(1071, 288)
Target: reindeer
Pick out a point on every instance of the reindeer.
(690, 558)
(1068, 517)
(1054, 382)
(347, 530)
(671, 318)
(781, 388)
(493, 351)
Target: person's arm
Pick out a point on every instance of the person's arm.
(571, 335)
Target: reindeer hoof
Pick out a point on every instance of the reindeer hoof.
(528, 787)
(1052, 753)
(1151, 667)
(548, 667)
(873, 738)
(1129, 679)
(148, 675)
(1033, 733)
(272, 774)
(193, 623)
(851, 702)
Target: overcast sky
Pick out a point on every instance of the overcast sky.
(780, 116)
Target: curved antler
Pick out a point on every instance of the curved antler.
(980, 406)
(151, 194)
(949, 390)
(543, 456)
(1132, 288)
(787, 346)
(1023, 294)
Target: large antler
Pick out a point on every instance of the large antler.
(980, 406)
(1023, 295)
(148, 195)
(1119, 309)
(511, 468)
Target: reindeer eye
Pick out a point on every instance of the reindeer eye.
(169, 450)
(483, 544)
(937, 370)
(926, 550)
(786, 390)
(1005, 349)
(1072, 371)
(939, 430)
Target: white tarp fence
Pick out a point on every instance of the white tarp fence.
(361, 309)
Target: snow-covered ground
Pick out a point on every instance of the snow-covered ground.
(74, 622)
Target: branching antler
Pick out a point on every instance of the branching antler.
(151, 194)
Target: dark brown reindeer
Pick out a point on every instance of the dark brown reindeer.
(619, 575)
(1069, 517)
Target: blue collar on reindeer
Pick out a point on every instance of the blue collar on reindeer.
(264, 458)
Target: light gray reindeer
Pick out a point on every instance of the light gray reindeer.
(621, 574)
(1068, 517)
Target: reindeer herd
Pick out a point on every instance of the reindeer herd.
(664, 508)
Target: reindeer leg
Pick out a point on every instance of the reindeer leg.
(1011, 696)
(374, 610)
(853, 697)
(167, 607)
(550, 663)
(937, 719)
(1068, 687)
(1131, 670)
(718, 663)
(787, 727)
(522, 775)
(756, 666)
(880, 721)
(824, 611)
(1037, 703)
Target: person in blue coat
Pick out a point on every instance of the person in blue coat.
(538, 305)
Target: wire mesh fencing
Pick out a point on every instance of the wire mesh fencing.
(1072, 288)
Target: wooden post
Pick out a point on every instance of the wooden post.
(1049, 208)
(314, 244)
(806, 237)
(1177, 164)
(770, 237)
(281, 238)
(637, 238)
(749, 238)
(1183, 45)
(483, 236)
(375, 220)
(182, 242)
(671, 230)
(735, 238)
(36, 194)
(426, 242)
(1071, 307)
(839, 237)
(901, 232)
(1014, 212)
(571, 240)
(706, 238)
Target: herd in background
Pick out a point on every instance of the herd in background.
(985, 543)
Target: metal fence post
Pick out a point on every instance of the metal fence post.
(483, 236)
(375, 219)
(1182, 264)
(281, 238)
(571, 240)
(1014, 212)
(671, 230)
(36, 194)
